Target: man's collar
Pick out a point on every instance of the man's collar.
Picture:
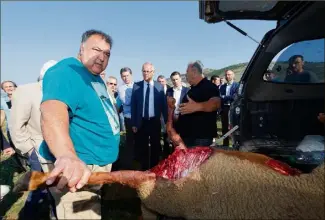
(230, 83)
(150, 82)
(130, 84)
(177, 88)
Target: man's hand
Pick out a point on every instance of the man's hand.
(9, 151)
(75, 173)
(134, 129)
(189, 107)
(181, 146)
(321, 117)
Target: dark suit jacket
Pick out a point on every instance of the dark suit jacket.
(137, 102)
(170, 92)
(233, 90)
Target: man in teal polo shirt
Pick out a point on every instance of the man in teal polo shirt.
(80, 126)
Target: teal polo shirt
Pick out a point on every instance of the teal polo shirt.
(94, 122)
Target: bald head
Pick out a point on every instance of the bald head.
(148, 71)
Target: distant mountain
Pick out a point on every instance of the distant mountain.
(237, 68)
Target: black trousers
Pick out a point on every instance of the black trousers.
(149, 133)
(225, 123)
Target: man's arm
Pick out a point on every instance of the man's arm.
(55, 128)
(60, 97)
(20, 114)
(231, 97)
(55, 123)
(191, 106)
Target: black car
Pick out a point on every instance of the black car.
(282, 89)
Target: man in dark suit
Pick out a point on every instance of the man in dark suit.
(162, 80)
(165, 149)
(178, 92)
(148, 104)
(227, 94)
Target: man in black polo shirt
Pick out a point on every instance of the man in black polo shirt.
(197, 121)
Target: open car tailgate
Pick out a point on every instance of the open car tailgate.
(217, 11)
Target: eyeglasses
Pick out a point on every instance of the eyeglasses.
(115, 84)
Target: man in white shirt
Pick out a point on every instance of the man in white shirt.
(178, 92)
(126, 154)
(26, 133)
(228, 92)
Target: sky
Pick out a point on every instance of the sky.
(167, 34)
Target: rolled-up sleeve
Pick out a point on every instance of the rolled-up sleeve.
(60, 84)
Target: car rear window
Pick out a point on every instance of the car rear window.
(301, 62)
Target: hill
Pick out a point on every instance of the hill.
(237, 68)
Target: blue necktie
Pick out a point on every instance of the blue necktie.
(146, 103)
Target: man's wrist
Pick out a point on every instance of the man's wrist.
(66, 153)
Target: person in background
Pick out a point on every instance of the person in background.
(103, 75)
(26, 133)
(228, 92)
(112, 85)
(162, 80)
(178, 92)
(222, 81)
(296, 72)
(6, 148)
(198, 110)
(126, 156)
(216, 80)
(148, 104)
(165, 149)
(9, 87)
(81, 132)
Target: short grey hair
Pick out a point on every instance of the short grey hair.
(112, 77)
(197, 65)
(86, 35)
(161, 77)
(150, 64)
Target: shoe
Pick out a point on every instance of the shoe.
(4, 190)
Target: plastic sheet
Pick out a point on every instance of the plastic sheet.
(311, 143)
(181, 162)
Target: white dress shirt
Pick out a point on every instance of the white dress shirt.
(229, 84)
(177, 97)
(151, 98)
(165, 89)
(125, 95)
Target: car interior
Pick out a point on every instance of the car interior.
(282, 110)
(275, 116)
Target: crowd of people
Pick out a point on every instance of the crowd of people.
(69, 122)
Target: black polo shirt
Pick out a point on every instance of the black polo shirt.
(199, 124)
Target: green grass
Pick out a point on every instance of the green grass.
(11, 203)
